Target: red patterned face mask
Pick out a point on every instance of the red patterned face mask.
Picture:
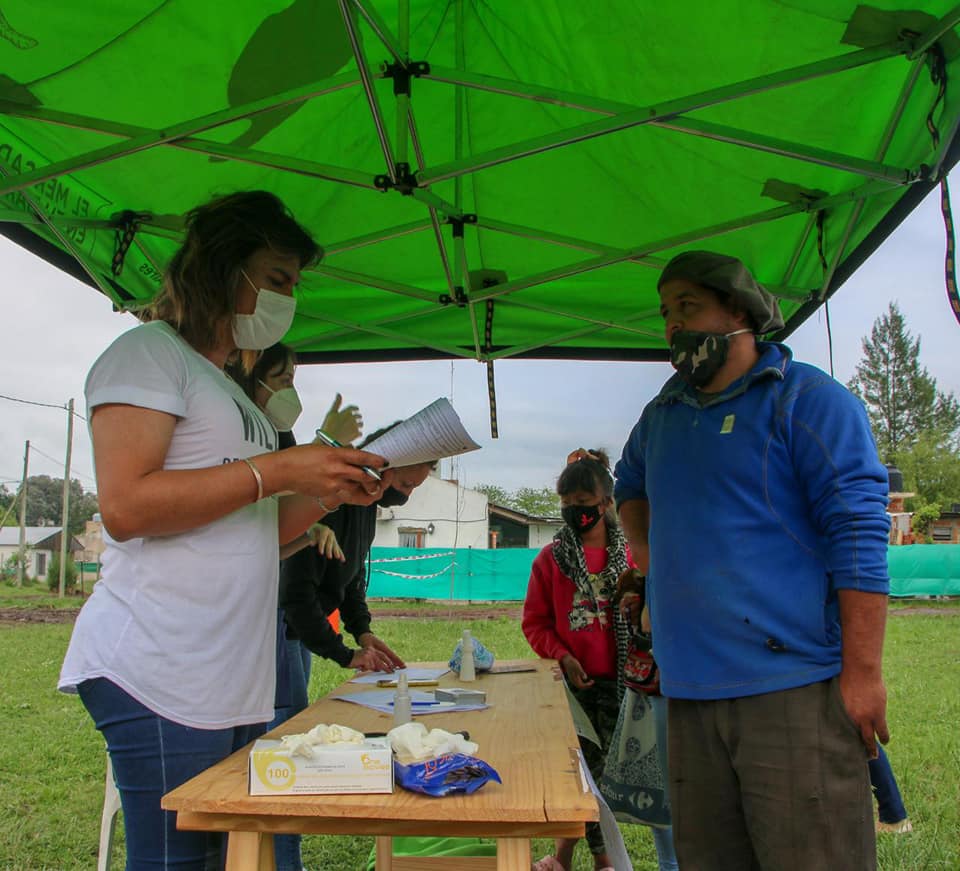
(581, 518)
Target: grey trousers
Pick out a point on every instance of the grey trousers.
(774, 782)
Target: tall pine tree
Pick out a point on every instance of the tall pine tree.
(902, 399)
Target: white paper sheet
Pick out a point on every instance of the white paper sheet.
(421, 702)
(413, 673)
(612, 836)
(431, 434)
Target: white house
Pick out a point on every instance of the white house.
(42, 542)
(512, 528)
(439, 513)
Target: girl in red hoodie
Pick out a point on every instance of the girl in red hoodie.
(569, 614)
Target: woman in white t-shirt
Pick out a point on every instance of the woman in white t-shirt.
(173, 654)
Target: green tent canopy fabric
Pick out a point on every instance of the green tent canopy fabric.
(489, 179)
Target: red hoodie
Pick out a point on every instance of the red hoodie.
(546, 624)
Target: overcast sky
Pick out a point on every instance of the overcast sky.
(53, 328)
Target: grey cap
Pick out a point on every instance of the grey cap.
(730, 278)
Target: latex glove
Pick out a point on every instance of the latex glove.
(343, 424)
(325, 540)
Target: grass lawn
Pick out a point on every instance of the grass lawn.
(52, 759)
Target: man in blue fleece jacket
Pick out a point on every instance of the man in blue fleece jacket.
(751, 492)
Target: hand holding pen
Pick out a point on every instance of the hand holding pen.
(333, 443)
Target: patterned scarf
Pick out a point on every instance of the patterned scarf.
(594, 594)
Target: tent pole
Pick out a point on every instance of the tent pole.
(404, 339)
(783, 148)
(403, 99)
(434, 217)
(948, 22)
(386, 235)
(460, 269)
(367, 81)
(868, 189)
(880, 153)
(649, 114)
(397, 46)
(66, 242)
(151, 138)
(374, 281)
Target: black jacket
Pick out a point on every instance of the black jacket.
(311, 586)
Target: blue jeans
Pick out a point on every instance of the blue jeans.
(151, 756)
(296, 678)
(885, 789)
(663, 837)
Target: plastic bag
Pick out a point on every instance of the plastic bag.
(453, 772)
(482, 657)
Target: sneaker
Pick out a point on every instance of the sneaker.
(901, 828)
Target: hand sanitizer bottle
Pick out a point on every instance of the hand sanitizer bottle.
(402, 712)
(467, 668)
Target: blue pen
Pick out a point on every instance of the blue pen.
(333, 443)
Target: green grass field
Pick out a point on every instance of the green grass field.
(52, 759)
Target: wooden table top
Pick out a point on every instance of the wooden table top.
(526, 734)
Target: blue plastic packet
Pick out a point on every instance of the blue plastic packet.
(453, 772)
(482, 657)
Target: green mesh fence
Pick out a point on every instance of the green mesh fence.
(501, 575)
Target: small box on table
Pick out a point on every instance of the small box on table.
(334, 769)
(460, 695)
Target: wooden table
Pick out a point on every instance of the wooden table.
(527, 735)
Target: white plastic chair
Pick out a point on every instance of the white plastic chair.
(108, 819)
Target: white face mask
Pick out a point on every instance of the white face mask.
(271, 318)
(283, 407)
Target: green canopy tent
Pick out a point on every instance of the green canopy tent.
(489, 178)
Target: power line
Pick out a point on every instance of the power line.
(37, 450)
(41, 404)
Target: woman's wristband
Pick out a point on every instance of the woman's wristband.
(257, 476)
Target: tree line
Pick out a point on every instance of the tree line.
(45, 504)
(916, 425)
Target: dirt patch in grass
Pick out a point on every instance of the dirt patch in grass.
(920, 609)
(16, 616)
(38, 615)
(399, 611)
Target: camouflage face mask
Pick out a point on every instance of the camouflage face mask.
(698, 356)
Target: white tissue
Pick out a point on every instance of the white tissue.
(303, 743)
(413, 741)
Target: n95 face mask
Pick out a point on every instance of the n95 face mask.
(283, 407)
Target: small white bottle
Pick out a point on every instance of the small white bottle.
(402, 711)
(468, 671)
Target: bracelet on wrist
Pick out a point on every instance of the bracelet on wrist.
(257, 477)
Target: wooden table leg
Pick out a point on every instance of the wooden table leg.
(513, 854)
(250, 851)
(384, 853)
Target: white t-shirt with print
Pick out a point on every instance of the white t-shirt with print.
(185, 623)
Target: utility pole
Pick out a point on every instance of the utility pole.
(23, 514)
(64, 531)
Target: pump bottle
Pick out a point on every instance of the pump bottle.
(467, 666)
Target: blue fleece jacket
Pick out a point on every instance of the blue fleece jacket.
(764, 501)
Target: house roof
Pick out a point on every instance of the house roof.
(520, 517)
(34, 535)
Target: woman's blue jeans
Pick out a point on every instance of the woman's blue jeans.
(889, 800)
(296, 663)
(151, 756)
(663, 838)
